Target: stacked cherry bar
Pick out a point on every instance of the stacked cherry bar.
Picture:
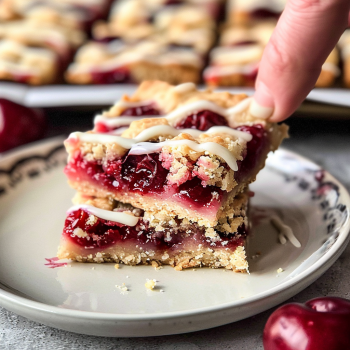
(173, 188)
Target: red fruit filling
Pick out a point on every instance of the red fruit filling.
(145, 174)
(103, 234)
(142, 174)
(103, 128)
(140, 111)
(118, 75)
(202, 120)
(255, 147)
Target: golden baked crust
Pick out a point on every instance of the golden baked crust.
(35, 66)
(191, 258)
(182, 25)
(68, 13)
(330, 70)
(168, 97)
(233, 66)
(148, 59)
(62, 40)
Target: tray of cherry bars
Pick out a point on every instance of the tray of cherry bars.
(100, 42)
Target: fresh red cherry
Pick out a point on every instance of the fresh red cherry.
(19, 124)
(319, 324)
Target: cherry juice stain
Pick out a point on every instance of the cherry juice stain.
(52, 263)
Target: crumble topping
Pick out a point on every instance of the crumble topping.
(79, 233)
(91, 220)
(150, 284)
(123, 287)
(167, 97)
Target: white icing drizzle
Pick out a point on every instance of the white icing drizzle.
(285, 232)
(130, 104)
(116, 122)
(245, 69)
(139, 146)
(182, 112)
(185, 87)
(121, 217)
(201, 105)
(211, 147)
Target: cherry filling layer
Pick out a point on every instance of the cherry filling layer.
(139, 111)
(145, 175)
(117, 75)
(202, 120)
(101, 233)
(148, 176)
(255, 149)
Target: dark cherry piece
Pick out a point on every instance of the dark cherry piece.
(321, 323)
(193, 190)
(19, 124)
(254, 149)
(105, 233)
(202, 120)
(144, 173)
(140, 111)
(120, 75)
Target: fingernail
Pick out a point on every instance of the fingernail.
(262, 105)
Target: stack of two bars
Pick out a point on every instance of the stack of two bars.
(163, 179)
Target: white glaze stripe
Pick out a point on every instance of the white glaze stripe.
(116, 122)
(139, 146)
(130, 104)
(183, 111)
(154, 131)
(211, 147)
(125, 219)
(285, 232)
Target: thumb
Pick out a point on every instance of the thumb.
(304, 36)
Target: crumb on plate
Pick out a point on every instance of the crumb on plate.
(150, 284)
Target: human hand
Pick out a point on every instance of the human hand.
(304, 36)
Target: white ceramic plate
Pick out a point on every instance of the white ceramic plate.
(83, 298)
